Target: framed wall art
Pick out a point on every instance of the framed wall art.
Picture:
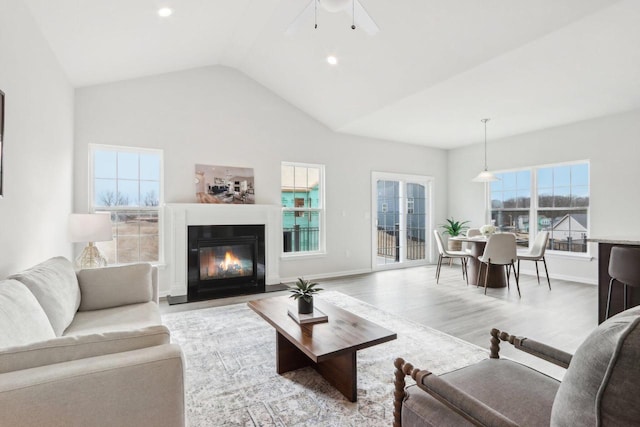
(224, 184)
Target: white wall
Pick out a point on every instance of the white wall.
(38, 144)
(219, 116)
(611, 144)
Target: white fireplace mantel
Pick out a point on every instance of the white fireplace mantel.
(178, 216)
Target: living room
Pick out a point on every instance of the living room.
(558, 82)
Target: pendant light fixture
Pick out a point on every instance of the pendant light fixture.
(485, 175)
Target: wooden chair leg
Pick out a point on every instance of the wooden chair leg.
(478, 275)
(547, 272)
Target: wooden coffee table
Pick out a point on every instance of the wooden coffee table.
(329, 347)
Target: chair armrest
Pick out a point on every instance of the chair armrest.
(117, 286)
(135, 388)
(535, 348)
(68, 348)
(455, 399)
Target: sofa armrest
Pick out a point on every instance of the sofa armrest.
(117, 286)
(134, 388)
(455, 399)
(535, 348)
(68, 348)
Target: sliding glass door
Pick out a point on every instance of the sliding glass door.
(401, 218)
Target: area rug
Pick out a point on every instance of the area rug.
(231, 378)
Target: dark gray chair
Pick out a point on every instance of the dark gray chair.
(624, 268)
(601, 386)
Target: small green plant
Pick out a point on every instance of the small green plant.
(304, 289)
(454, 228)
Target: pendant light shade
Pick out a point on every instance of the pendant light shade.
(485, 175)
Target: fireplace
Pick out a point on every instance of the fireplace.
(225, 260)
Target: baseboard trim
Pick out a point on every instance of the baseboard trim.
(567, 277)
(327, 275)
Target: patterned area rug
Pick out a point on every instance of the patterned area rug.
(231, 378)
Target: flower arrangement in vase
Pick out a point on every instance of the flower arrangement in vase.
(303, 293)
(487, 229)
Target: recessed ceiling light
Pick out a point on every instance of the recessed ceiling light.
(332, 60)
(164, 12)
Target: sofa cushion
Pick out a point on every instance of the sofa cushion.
(601, 385)
(115, 286)
(65, 349)
(127, 317)
(55, 286)
(22, 319)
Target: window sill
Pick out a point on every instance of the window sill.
(302, 255)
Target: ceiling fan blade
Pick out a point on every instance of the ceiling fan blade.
(362, 18)
(305, 17)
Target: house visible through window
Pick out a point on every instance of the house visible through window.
(302, 195)
(127, 183)
(560, 204)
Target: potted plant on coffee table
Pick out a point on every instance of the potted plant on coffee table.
(303, 293)
(454, 228)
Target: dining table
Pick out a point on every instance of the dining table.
(497, 275)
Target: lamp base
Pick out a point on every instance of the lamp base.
(91, 257)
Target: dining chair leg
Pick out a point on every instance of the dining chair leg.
(518, 267)
(438, 268)
(479, 273)
(537, 273)
(466, 270)
(486, 276)
(546, 271)
(517, 281)
(606, 314)
(624, 307)
(462, 266)
(508, 267)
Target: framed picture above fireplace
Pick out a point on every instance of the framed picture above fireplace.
(1, 140)
(224, 184)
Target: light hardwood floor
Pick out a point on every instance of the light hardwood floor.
(562, 317)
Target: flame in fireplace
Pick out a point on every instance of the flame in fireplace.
(231, 262)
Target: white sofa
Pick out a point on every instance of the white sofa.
(87, 349)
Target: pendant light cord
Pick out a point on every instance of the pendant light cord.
(485, 143)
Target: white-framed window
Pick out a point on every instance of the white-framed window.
(303, 210)
(127, 183)
(553, 198)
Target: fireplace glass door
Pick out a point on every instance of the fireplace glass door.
(226, 261)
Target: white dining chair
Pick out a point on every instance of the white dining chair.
(444, 253)
(536, 254)
(500, 250)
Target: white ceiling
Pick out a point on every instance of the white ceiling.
(432, 72)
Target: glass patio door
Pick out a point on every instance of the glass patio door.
(401, 205)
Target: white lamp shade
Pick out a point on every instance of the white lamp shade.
(485, 176)
(334, 5)
(90, 227)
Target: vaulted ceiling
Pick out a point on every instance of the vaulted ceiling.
(435, 68)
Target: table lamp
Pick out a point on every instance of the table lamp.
(90, 228)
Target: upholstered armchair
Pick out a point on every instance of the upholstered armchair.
(601, 386)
